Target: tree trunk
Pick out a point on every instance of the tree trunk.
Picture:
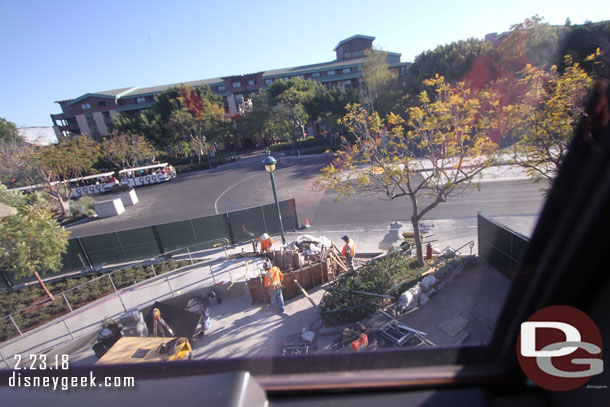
(44, 287)
(64, 206)
(417, 237)
(416, 233)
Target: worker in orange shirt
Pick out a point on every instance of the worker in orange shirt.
(349, 251)
(265, 241)
(273, 281)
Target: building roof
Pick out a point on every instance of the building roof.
(353, 37)
(107, 94)
(313, 68)
(115, 92)
(161, 88)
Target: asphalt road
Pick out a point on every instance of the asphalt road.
(245, 184)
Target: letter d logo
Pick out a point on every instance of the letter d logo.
(528, 339)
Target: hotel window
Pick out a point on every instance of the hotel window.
(141, 100)
(85, 106)
(101, 103)
(89, 117)
(330, 73)
(315, 75)
(221, 88)
(268, 82)
(346, 71)
(239, 98)
(252, 82)
(236, 84)
(106, 115)
(347, 84)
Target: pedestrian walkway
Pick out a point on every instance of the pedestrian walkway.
(87, 319)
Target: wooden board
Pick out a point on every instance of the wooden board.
(136, 350)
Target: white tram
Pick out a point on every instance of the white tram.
(146, 175)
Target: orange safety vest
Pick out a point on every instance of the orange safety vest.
(266, 244)
(349, 250)
(273, 277)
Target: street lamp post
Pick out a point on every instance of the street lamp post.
(269, 164)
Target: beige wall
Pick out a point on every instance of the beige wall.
(232, 105)
(101, 125)
(82, 124)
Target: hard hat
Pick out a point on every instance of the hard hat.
(265, 236)
(346, 237)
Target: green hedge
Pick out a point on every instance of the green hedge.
(183, 166)
(310, 142)
(13, 301)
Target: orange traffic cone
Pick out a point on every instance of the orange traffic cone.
(307, 225)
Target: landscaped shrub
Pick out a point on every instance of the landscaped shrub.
(83, 206)
(389, 275)
(183, 166)
(301, 144)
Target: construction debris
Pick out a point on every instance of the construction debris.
(305, 293)
(309, 262)
(308, 336)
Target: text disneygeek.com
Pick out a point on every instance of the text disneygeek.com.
(19, 380)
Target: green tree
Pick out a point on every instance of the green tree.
(433, 155)
(127, 150)
(178, 115)
(288, 118)
(452, 61)
(8, 132)
(380, 81)
(288, 106)
(50, 167)
(198, 122)
(546, 118)
(580, 41)
(530, 42)
(31, 241)
(255, 120)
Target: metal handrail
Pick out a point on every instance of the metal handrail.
(110, 273)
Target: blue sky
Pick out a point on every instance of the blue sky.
(54, 50)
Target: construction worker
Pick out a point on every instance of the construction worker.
(273, 281)
(160, 327)
(349, 251)
(266, 241)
